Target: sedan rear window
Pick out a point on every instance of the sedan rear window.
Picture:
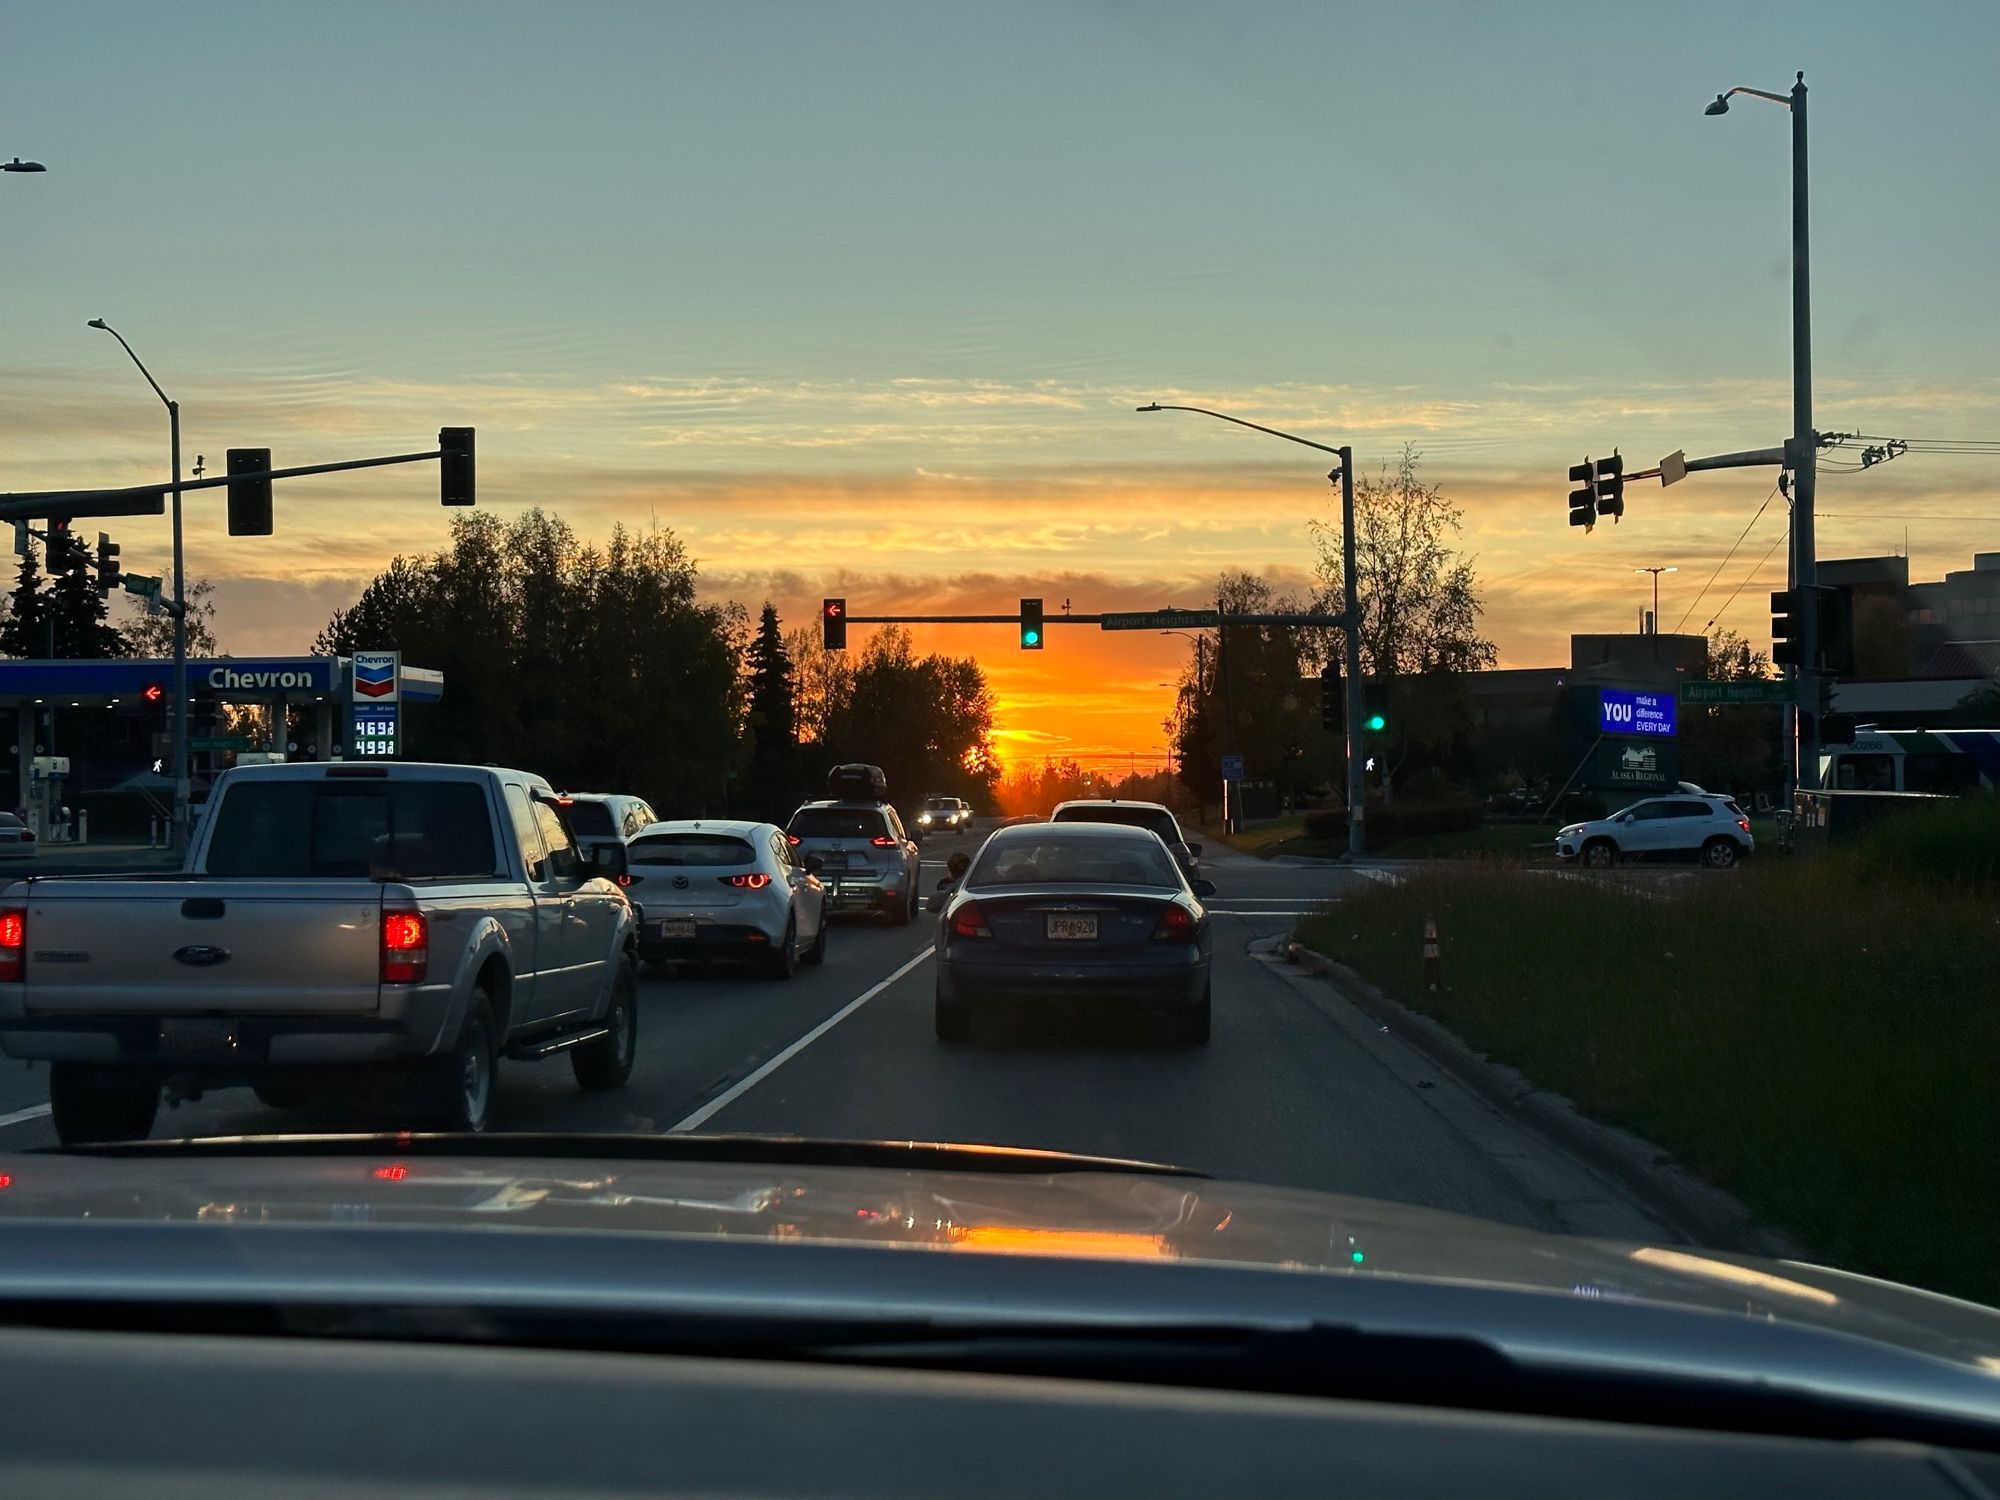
(690, 849)
(838, 823)
(590, 819)
(1082, 861)
(383, 830)
(1148, 818)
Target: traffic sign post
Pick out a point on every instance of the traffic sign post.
(1232, 768)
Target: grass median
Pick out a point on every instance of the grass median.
(1821, 1038)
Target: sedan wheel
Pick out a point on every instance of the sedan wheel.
(1600, 855)
(1719, 854)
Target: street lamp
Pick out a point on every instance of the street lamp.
(1357, 840)
(1656, 572)
(1804, 446)
(182, 791)
(17, 165)
(1200, 647)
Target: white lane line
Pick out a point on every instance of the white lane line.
(23, 1116)
(1225, 911)
(737, 1090)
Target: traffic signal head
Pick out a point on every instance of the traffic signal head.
(153, 692)
(1835, 644)
(1375, 707)
(249, 491)
(1611, 486)
(1582, 500)
(833, 624)
(1787, 629)
(1031, 624)
(108, 566)
(1329, 698)
(455, 466)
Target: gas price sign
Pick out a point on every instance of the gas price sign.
(375, 733)
(1622, 712)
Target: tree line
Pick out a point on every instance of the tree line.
(602, 669)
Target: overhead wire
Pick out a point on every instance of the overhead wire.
(1729, 554)
(1723, 608)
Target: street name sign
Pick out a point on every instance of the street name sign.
(1764, 692)
(1162, 619)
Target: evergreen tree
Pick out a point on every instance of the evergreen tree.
(774, 760)
(83, 630)
(26, 629)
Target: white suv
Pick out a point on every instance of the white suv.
(1685, 825)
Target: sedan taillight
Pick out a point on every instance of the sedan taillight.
(406, 947)
(1177, 925)
(970, 922)
(13, 943)
(746, 882)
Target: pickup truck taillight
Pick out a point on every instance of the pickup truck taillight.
(13, 943)
(406, 947)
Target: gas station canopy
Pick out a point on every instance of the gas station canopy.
(265, 679)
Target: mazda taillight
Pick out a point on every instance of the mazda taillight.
(406, 947)
(970, 922)
(1177, 925)
(794, 840)
(884, 842)
(747, 882)
(13, 943)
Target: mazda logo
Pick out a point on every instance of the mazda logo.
(680, 882)
(200, 955)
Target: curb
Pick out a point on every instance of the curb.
(1703, 1213)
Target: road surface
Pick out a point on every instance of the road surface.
(1297, 1087)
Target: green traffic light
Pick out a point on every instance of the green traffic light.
(1376, 723)
(1031, 638)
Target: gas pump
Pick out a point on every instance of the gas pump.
(48, 776)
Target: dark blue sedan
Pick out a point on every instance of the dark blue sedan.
(1074, 918)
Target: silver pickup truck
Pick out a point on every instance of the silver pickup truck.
(331, 919)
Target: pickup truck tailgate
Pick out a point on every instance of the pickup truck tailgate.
(201, 945)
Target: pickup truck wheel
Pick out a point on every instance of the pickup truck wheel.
(457, 1086)
(607, 1062)
(85, 1108)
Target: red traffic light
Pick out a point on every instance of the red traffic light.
(152, 692)
(833, 624)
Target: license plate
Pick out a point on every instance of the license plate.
(1073, 929)
(677, 929)
(202, 1039)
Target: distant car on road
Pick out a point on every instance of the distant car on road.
(17, 839)
(944, 815)
(1074, 918)
(733, 890)
(1152, 816)
(1705, 826)
(869, 862)
(601, 815)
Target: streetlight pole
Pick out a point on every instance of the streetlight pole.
(183, 790)
(1803, 449)
(1656, 572)
(1357, 833)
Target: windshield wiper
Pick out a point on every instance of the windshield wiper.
(760, 1150)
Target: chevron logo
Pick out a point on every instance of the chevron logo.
(374, 676)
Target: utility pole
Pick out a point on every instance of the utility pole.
(1357, 791)
(1232, 802)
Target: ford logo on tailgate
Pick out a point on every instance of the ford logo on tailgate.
(200, 955)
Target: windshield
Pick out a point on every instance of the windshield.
(1505, 492)
(1073, 860)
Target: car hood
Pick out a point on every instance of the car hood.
(951, 1202)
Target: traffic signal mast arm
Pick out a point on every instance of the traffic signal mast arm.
(35, 503)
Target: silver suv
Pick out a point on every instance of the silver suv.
(869, 863)
(1689, 825)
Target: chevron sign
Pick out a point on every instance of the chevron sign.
(375, 675)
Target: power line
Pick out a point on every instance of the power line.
(1730, 553)
(1854, 515)
(1724, 608)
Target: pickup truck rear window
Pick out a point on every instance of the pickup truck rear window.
(383, 830)
(690, 849)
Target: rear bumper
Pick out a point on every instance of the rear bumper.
(1080, 989)
(711, 940)
(408, 1023)
(848, 896)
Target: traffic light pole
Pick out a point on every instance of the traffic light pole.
(1357, 790)
(1805, 454)
(183, 782)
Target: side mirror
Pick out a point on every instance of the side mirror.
(814, 864)
(1202, 888)
(1194, 851)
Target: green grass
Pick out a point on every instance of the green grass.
(1818, 1040)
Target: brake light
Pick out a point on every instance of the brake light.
(394, 1173)
(1177, 925)
(883, 841)
(625, 880)
(1744, 824)
(13, 943)
(747, 882)
(794, 840)
(406, 947)
(970, 922)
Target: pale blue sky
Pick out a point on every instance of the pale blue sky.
(702, 262)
